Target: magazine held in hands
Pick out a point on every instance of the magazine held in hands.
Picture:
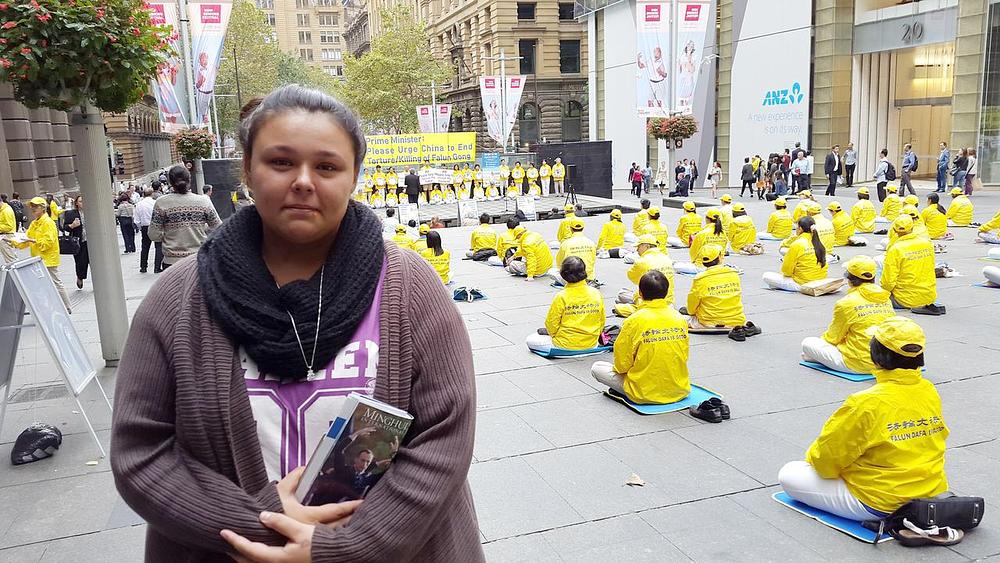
(354, 452)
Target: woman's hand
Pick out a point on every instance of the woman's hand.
(334, 514)
(296, 550)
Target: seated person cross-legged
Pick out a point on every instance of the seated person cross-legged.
(716, 298)
(885, 445)
(651, 351)
(506, 244)
(651, 257)
(804, 262)
(844, 345)
(576, 316)
(908, 272)
(532, 257)
(611, 242)
(483, 240)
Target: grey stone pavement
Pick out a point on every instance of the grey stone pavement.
(552, 454)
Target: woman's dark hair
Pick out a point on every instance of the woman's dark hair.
(512, 223)
(718, 224)
(887, 359)
(456, 167)
(434, 243)
(644, 203)
(653, 285)
(573, 270)
(884, 152)
(739, 213)
(179, 179)
(484, 219)
(864, 196)
(808, 225)
(855, 281)
(293, 97)
(391, 212)
(713, 262)
(412, 223)
(935, 200)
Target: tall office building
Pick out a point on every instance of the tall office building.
(311, 29)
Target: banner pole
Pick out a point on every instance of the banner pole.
(672, 87)
(434, 107)
(503, 98)
(183, 20)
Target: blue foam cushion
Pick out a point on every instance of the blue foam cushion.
(850, 527)
(698, 394)
(563, 353)
(841, 374)
(986, 284)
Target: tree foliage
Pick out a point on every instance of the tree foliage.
(386, 84)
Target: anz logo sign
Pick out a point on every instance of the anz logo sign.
(784, 97)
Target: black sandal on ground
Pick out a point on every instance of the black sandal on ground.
(707, 412)
(751, 329)
(738, 334)
(723, 407)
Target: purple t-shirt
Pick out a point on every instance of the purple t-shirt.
(292, 417)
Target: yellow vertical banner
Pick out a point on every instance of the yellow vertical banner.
(402, 150)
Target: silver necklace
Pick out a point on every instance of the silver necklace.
(319, 313)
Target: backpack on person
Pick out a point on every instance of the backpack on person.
(916, 163)
(890, 171)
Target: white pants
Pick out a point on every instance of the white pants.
(989, 238)
(630, 258)
(626, 295)
(764, 235)
(517, 267)
(546, 182)
(783, 250)
(675, 242)
(775, 280)
(554, 244)
(54, 274)
(494, 261)
(801, 482)
(556, 277)
(606, 252)
(604, 373)
(540, 342)
(992, 274)
(881, 220)
(822, 352)
(882, 244)
(7, 252)
(686, 268)
(858, 240)
(558, 186)
(631, 239)
(994, 253)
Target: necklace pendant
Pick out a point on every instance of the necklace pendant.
(312, 374)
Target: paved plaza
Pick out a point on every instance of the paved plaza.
(552, 454)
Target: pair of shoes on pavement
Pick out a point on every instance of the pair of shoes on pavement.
(933, 309)
(712, 410)
(741, 333)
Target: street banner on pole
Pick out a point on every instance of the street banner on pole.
(692, 21)
(489, 87)
(652, 35)
(512, 99)
(208, 30)
(443, 117)
(169, 86)
(425, 120)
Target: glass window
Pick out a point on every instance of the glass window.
(526, 48)
(305, 37)
(988, 154)
(572, 119)
(265, 4)
(569, 56)
(528, 120)
(525, 10)
(328, 37)
(306, 54)
(269, 18)
(332, 55)
(301, 4)
(566, 11)
(328, 19)
(302, 20)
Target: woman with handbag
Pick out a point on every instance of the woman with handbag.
(125, 212)
(74, 223)
(43, 240)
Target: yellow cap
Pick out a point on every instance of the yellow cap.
(902, 336)
(568, 207)
(781, 202)
(891, 189)
(37, 201)
(654, 211)
(616, 213)
(805, 193)
(576, 224)
(813, 208)
(726, 198)
(911, 210)
(400, 229)
(903, 224)
(863, 191)
(956, 191)
(424, 228)
(689, 206)
(519, 231)
(710, 252)
(648, 239)
(834, 206)
(739, 207)
(713, 213)
(862, 266)
(911, 200)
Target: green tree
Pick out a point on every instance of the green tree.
(386, 84)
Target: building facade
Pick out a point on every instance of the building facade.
(311, 29)
(137, 143)
(357, 34)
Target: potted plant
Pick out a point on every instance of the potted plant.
(676, 128)
(194, 143)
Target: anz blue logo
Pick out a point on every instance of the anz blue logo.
(784, 97)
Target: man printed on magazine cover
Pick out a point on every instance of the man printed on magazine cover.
(349, 476)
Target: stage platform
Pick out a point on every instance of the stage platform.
(504, 209)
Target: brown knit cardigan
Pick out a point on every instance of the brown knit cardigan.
(184, 448)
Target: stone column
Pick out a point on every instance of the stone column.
(63, 150)
(969, 60)
(832, 72)
(21, 153)
(41, 140)
(726, 38)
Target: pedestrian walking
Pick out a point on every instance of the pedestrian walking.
(961, 168)
(747, 177)
(882, 173)
(43, 240)
(8, 226)
(833, 168)
(647, 176)
(125, 213)
(637, 181)
(850, 163)
(944, 157)
(75, 224)
(143, 217)
(971, 170)
(714, 177)
(909, 166)
(181, 219)
(694, 173)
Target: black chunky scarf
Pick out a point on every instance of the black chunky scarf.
(243, 298)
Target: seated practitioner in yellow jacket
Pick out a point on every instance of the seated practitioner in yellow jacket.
(656, 228)
(804, 262)
(843, 227)
(576, 244)
(806, 201)
(401, 238)
(651, 351)
(716, 297)
(935, 218)
(844, 345)
(532, 257)
(507, 242)
(919, 229)
(713, 233)
(779, 224)
(483, 240)
(726, 211)
(564, 231)
(576, 316)
(438, 257)
(986, 234)
(863, 213)
(611, 241)
(885, 445)
(960, 210)
(638, 222)
(742, 231)
(688, 226)
(891, 207)
(651, 257)
(908, 273)
(421, 243)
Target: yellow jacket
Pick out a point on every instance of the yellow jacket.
(483, 237)
(716, 297)
(991, 225)
(55, 209)
(935, 221)
(612, 235)
(580, 246)
(565, 231)
(392, 181)
(779, 224)
(420, 244)
(742, 232)
(505, 242)
(657, 229)
(863, 215)
(908, 273)
(886, 442)
(652, 259)
(726, 211)
(8, 223)
(576, 317)
(558, 172)
(536, 253)
(403, 240)
(504, 171)
(960, 211)
(891, 207)
(800, 263)
(545, 171)
(379, 178)
(706, 236)
(800, 210)
(441, 263)
(639, 221)
(43, 231)
(532, 172)
(864, 306)
(517, 173)
(827, 234)
(843, 228)
(651, 352)
(688, 226)
(457, 178)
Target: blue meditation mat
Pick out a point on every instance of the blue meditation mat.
(987, 259)
(711, 330)
(779, 289)
(698, 394)
(986, 284)
(563, 353)
(686, 274)
(852, 528)
(843, 375)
